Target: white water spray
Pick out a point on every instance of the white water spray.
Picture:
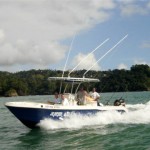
(138, 114)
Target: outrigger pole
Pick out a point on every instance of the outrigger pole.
(66, 62)
(87, 56)
(106, 54)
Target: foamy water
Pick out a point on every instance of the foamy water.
(138, 114)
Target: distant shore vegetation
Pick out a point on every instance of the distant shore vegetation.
(35, 82)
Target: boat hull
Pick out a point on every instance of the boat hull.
(30, 114)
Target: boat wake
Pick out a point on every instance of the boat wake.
(138, 114)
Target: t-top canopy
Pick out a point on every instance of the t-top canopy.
(72, 79)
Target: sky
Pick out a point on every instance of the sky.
(59, 34)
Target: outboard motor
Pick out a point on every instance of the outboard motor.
(119, 102)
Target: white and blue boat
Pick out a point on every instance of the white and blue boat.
(31, 113)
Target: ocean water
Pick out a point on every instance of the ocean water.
(107, 131)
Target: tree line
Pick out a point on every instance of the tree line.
(35, 82)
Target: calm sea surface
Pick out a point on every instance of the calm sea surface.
(108, 131)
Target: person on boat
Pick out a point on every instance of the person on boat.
(64, 100)
(81, 96)
(56, 99)
(94, 95)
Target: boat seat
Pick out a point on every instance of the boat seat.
(71, 98)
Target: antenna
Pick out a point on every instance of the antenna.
(106, 54)
(87, 56)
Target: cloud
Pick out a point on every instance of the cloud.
(31, 32)
(148, 5)
(146, 44)
(26, 52)
(131, 7)
(122, 66)
(2, 36)
(86, 63)
(140, 61)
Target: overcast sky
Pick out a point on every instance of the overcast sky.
(37, 34)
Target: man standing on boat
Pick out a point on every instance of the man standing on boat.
(94, 95)
(81, 96)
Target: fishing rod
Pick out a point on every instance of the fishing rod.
(107, 102)
(105, 54)
(66, 62)
(87, 56)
